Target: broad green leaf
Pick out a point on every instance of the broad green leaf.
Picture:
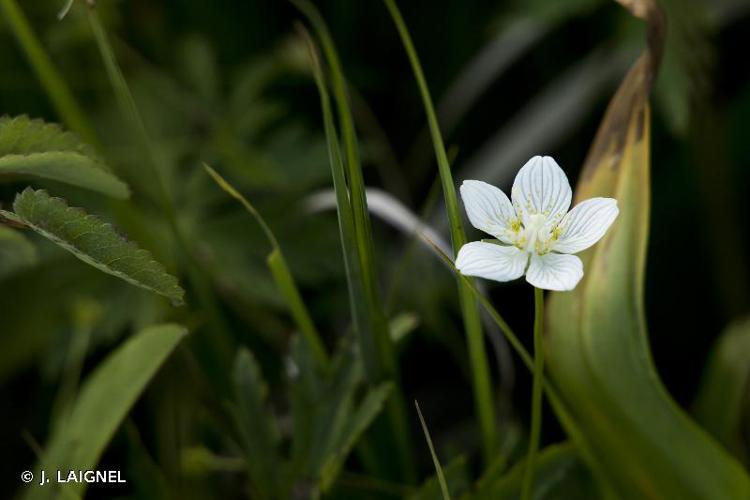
(32, 148)
(597, 344)
(16, 252)
(722, 403)
(257, 427)
(558, 475)
(93, 241)
(481, 382)
(106, 397)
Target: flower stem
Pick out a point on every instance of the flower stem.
(536, 394)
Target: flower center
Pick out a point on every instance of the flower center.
(535, 235)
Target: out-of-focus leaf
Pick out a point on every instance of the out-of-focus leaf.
(32, 148)
(402, 325)
(559, 475)
(105, 399)
(93, 241)
(16, 252)
(721, 406)
(456, 477)
(257, 428)
(597, 345)
(356, 425)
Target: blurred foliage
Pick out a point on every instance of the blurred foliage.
(241, 407)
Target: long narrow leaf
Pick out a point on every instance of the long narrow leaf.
(482, 384)
(435, 460)
(106, 397)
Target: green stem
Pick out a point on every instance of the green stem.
(58, 92)
(536, 394)
(481, 382)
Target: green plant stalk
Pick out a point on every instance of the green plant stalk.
(395, 408)
(56, 88)
(563, 413)
(217, 348)
(281, 274)
(536, 394)
(481, 381)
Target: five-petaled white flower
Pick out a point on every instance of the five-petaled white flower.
(536, 233)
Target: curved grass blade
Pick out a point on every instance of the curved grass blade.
(93, 241)
(33, 148)
(597, 341)
(370, 325)
(482, 383)
(281, 274)
(106, 397)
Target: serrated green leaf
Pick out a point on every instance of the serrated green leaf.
(44, 150)
(16, 252)
(105, 399)
(93, 241)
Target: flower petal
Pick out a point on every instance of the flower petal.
(541, 187)
(585, 224)
(489, 209)
(555, 271)
(491, 261)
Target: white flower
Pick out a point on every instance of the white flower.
(536, 233)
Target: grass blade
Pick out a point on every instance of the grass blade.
(383, 364)
(376, 345)
(435, 461)
(281, 274)
(482, 384)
